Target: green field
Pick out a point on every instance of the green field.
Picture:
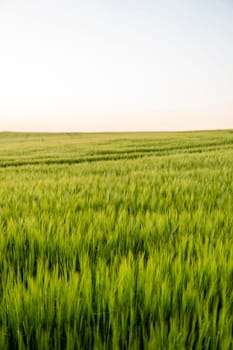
(116, 241)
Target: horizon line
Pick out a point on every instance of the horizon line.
(111, 131)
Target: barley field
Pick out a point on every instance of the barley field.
(116, 241)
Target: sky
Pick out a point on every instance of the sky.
(116, 65)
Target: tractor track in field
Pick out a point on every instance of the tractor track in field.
(121, 155)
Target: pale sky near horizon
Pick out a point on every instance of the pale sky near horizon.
(116, 65)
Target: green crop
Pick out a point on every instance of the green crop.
(116, 241)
